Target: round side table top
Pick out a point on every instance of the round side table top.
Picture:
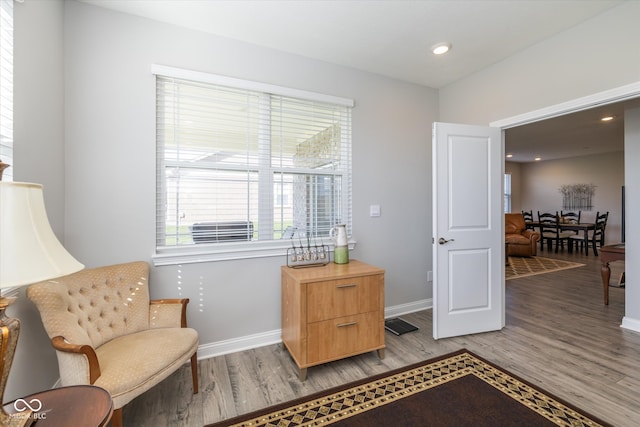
(79, 405)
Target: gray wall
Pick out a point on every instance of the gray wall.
(38, 157)
(600, 54)
(540, 182)
(99, 167)
(110, 149)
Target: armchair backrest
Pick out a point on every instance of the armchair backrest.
(95, 305)
(514, 223)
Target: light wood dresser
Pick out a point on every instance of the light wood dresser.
(332, 312)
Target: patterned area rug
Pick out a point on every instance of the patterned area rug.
(458, 389)
(529, 266)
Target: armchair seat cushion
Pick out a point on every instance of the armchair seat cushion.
(152, 355)
(517, 239)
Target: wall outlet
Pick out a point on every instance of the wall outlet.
(429, 276)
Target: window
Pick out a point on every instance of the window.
(507, 192)
(241, 164)
(6, 86)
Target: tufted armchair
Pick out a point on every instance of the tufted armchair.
(108, 333)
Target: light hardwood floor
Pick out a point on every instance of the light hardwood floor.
(559, 335)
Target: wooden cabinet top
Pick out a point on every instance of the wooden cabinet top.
(331, 271)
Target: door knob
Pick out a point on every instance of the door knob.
(442, 240)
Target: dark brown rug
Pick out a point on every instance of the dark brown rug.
(458, 389)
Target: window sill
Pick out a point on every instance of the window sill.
(226, 252)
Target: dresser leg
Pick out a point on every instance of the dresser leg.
(381, 353)
(302, 374)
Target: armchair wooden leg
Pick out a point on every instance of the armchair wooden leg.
(116, 419)
(194, 372)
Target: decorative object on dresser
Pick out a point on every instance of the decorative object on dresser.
(29, 252)
(340, 244)
(520, 240)
(332, 312)
(107, 332)
(456, 389)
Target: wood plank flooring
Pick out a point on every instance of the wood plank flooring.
(559, 335)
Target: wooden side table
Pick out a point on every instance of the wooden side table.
(332, 312)
(80, 405)
(608, 254)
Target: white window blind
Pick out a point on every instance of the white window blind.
(238, 166)
(6, 86)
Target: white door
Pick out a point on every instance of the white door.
(468, 249)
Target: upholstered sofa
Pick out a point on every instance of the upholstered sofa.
(520, 240)
(108, 333)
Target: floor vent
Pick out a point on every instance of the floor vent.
(398, 326)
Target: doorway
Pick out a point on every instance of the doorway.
(629, 95)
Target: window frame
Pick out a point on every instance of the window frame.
(171, 255)
(507, 195)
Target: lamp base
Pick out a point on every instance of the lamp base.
(9, 331)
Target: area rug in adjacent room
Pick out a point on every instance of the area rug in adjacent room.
(458, 389)
(529, 266)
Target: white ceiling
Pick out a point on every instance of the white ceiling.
(391, 38)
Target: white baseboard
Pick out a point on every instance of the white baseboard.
(631, 324)
(233, 345)
(412, 307)
(219, 348)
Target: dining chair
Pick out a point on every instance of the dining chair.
(570, 217)
(595, 237)
(528, 219)
(551, 232)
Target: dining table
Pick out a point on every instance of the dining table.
(583, 227)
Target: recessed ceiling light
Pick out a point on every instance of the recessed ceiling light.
(606, 119)
(509, 155)
(440, 48)
(538, 158)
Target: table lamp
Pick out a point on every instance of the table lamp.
(29, 253)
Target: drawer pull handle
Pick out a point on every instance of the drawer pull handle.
(349, 285)
(342, 325)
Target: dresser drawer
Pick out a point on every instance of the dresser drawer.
(344, 336)
(337, 298)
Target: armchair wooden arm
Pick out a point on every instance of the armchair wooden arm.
(59, 343)
(183, 302)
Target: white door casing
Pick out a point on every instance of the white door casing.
(468, 230)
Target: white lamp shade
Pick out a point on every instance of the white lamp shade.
(29, 250)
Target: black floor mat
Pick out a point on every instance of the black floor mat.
(398, 326)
